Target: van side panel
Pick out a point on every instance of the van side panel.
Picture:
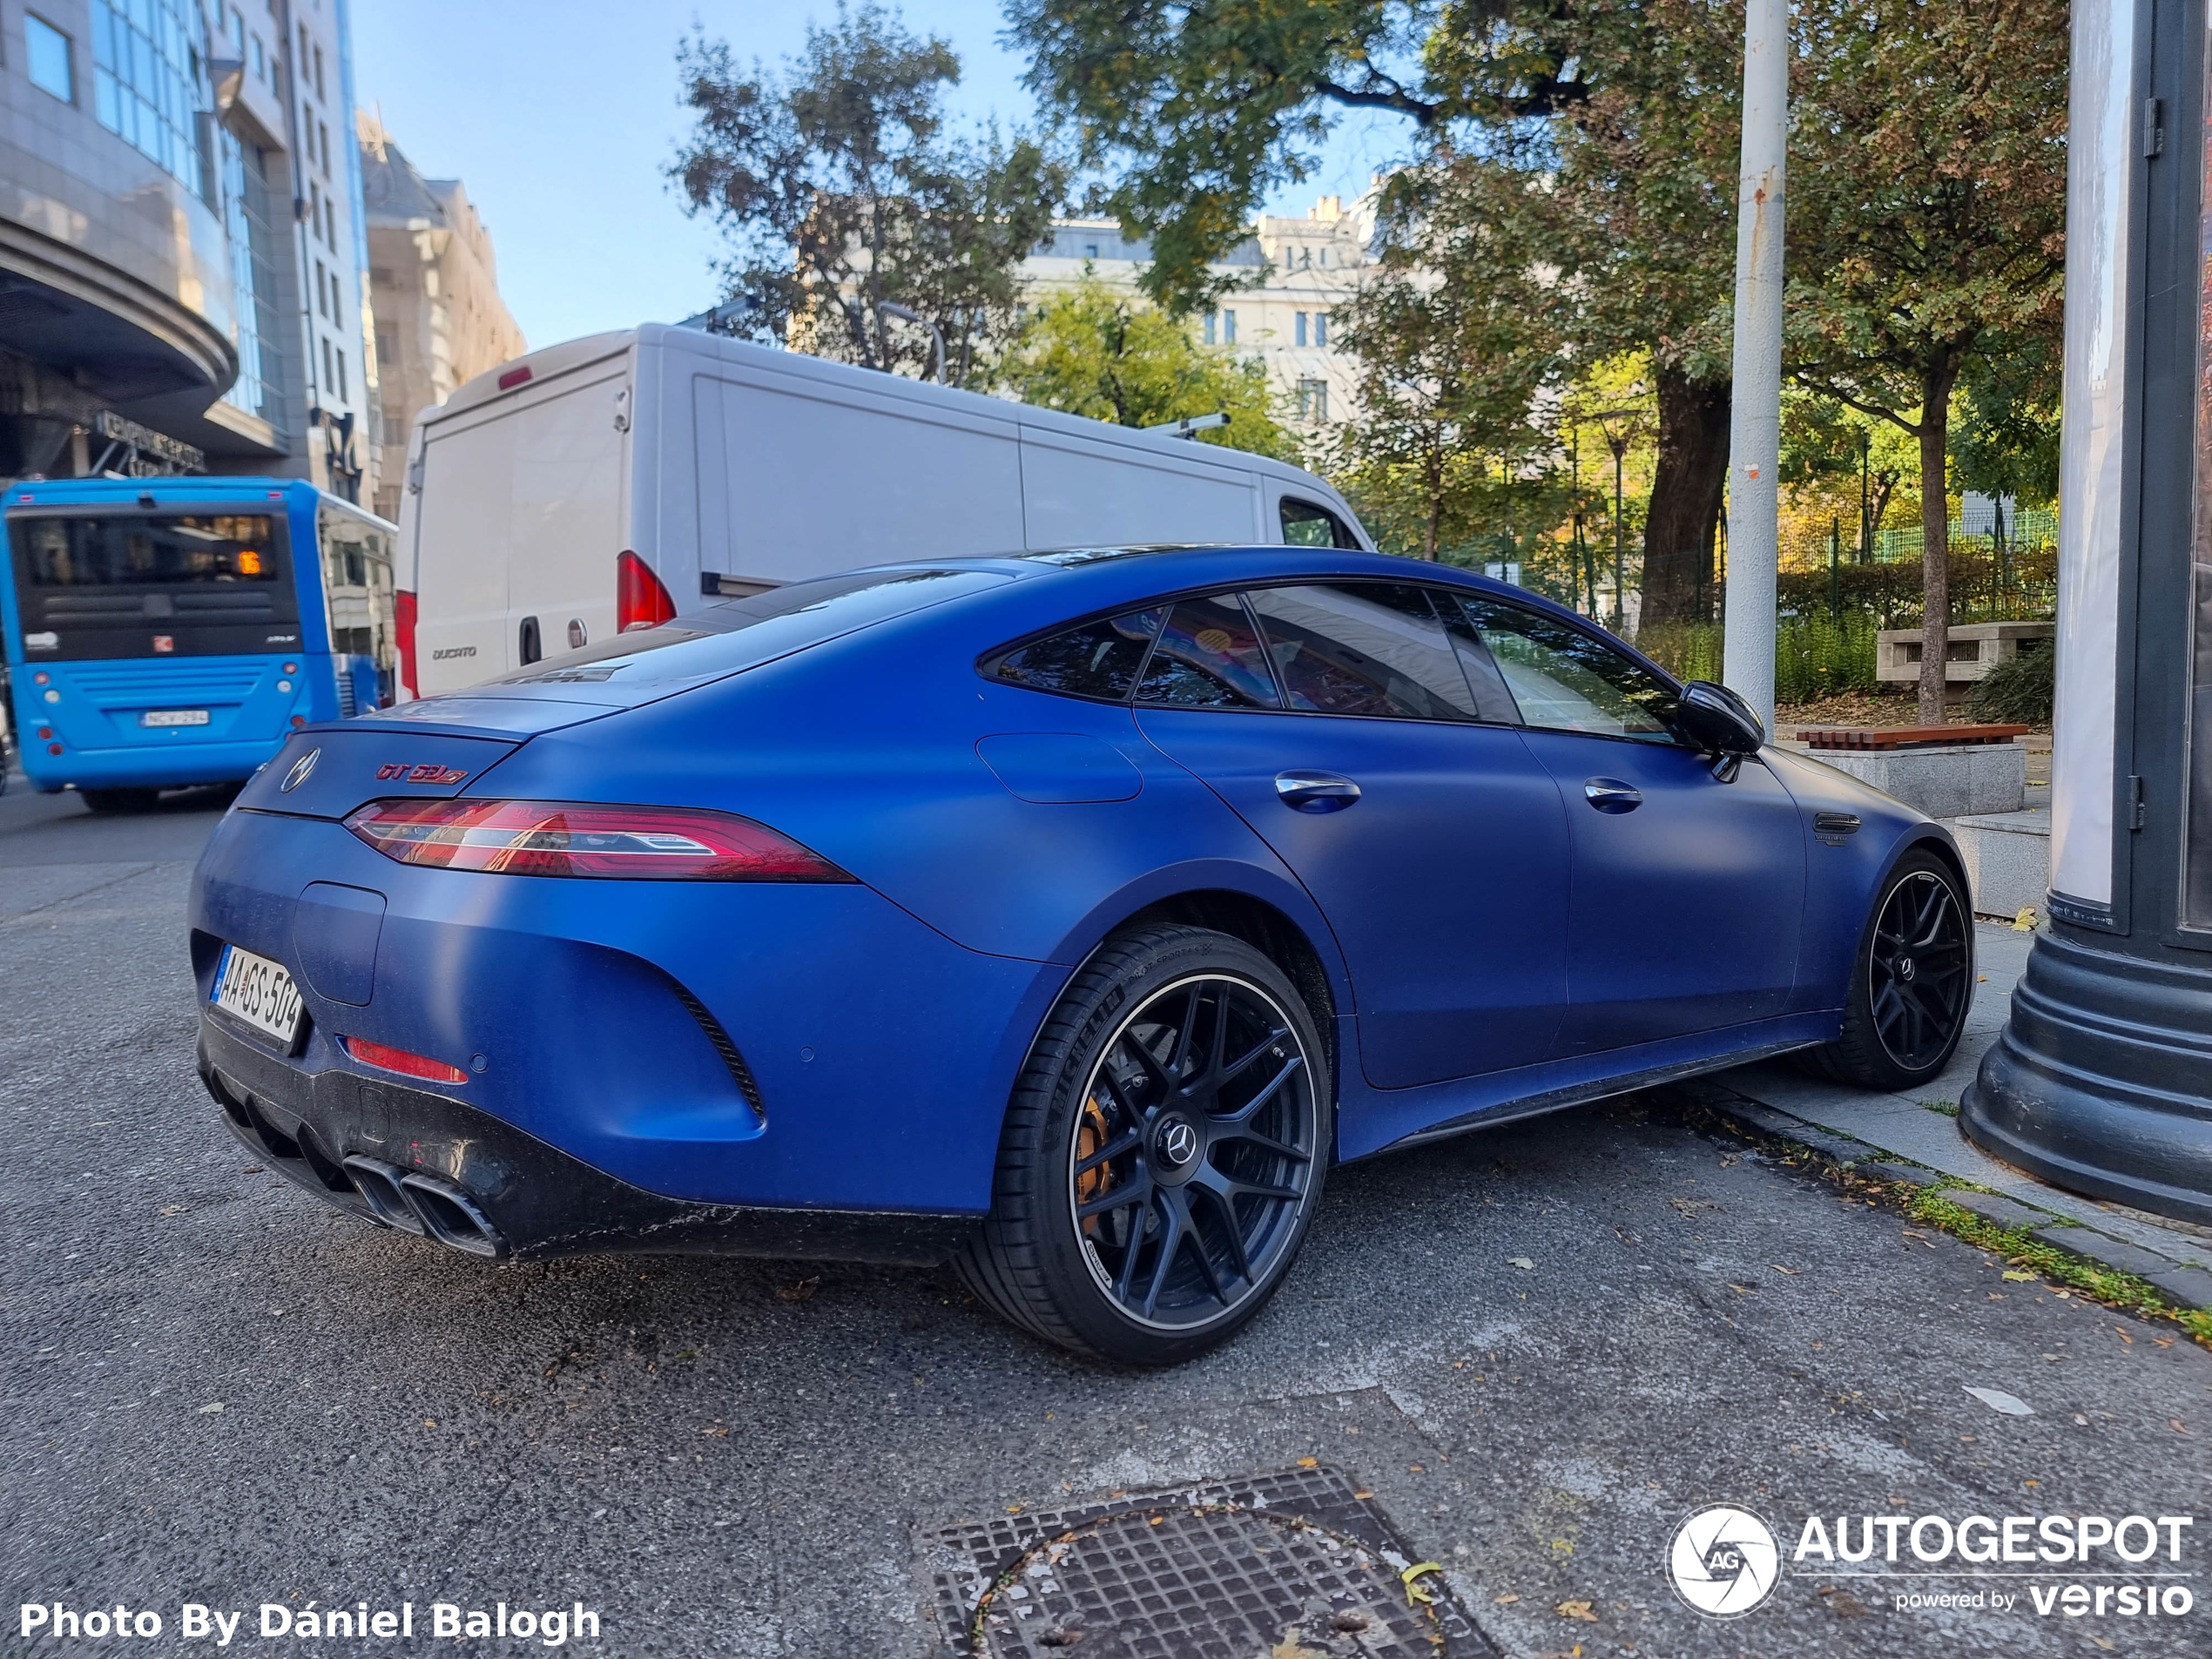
(797, 478)
(1078, 493)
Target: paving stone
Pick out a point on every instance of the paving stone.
(2093, 1246)
(2004, 1211)
(2186, 1287)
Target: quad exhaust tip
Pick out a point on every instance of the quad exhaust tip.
(426, 1206)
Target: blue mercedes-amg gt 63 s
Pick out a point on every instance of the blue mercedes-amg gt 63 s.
(1066, 916)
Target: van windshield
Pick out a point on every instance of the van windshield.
(739, 633)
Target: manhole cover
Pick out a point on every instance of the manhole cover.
(1297, 1562)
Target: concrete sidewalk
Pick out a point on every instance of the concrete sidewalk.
(1923, 1129)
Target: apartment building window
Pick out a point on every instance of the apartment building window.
(322, 293)
(320, 93)
(1212, 326)
(1313, 399)
(1298, 328)
(148, 86)
(246, 209)
(1090, 250)
(1228, 327)
(322, 138)
(1320, 327)
(46, 58)
(344, 396)
(1324, 261)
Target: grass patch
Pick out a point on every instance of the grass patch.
(1948, 1108)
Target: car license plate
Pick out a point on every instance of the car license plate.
(258, 991)
(173, 717)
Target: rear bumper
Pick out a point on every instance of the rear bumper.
(484, 1187)
(147, 766)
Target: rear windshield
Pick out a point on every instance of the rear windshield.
(739, 633)
(149, 550)
(97, 585)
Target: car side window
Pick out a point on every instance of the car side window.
(1098, 659)
(1307, 524)
(1373, 648)
(1567, 681)
(1209, 657)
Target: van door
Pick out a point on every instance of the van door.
(460, 554)
(565, 519)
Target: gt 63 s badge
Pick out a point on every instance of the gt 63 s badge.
(401, 771)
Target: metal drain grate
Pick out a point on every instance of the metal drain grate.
(1232, 1569)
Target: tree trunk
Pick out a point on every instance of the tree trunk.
(1686, 483)
(1935, 538)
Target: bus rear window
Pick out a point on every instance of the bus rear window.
(149, 550)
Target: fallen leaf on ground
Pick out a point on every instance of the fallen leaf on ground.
(800, 1291)
(216, 1405)
(1791, 1271)
(2174, 1423)
(2025, 923)
(1691, 1206)
(172, 1209)
(1741, 1290)
(1998, 1400)
(1522, 1262)
(1417, 1592)
(1507, 1599)
(2019, 1278)
(1307, 1462)
(1576, 1610)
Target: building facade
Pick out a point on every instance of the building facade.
(434, 294)
(1307, 268)
(181, 242)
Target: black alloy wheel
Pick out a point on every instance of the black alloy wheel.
(1912, 982)
(1193, 1149)
(1917, 984)
(1162, 1154)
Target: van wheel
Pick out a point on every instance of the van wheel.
(1162, 1154)
(120, 800)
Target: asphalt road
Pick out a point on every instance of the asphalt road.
(732, 1458)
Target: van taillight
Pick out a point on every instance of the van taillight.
(640, 601)
(403, 612)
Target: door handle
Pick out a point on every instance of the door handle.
(1316, 792)
(1611, 795)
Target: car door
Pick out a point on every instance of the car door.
(1688, 884)
(1334, 718)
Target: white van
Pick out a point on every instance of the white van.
(626, 478)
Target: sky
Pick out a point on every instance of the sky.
(561, 117)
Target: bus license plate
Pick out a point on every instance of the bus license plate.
(173, 717)
(258, 991)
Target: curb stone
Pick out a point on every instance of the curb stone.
(2184, 1286)
(2007, 1212)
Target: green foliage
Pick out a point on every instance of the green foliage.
(1814, 656)
(840, 190)
(1456, 338)
(2005, 437)
(1090, 351)
(2020, 690)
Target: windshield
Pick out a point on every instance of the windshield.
(140, 584)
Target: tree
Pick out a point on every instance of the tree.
(841, 190)
(1625, 108)
(1454, 337)
(1090, 351)
(1926, 213)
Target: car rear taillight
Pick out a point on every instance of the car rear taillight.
(399, 1060)
(640, 600)
(581, 838)
(403, 613)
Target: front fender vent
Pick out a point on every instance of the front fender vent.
(740, 1073)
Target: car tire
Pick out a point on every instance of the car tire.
(120, 800)
(1911, 987)
(1158, 1252)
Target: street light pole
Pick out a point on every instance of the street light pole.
(936, 335)
(1755, 422)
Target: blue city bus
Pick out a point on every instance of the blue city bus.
(163, 632)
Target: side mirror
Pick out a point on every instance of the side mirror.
(1719, 722)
